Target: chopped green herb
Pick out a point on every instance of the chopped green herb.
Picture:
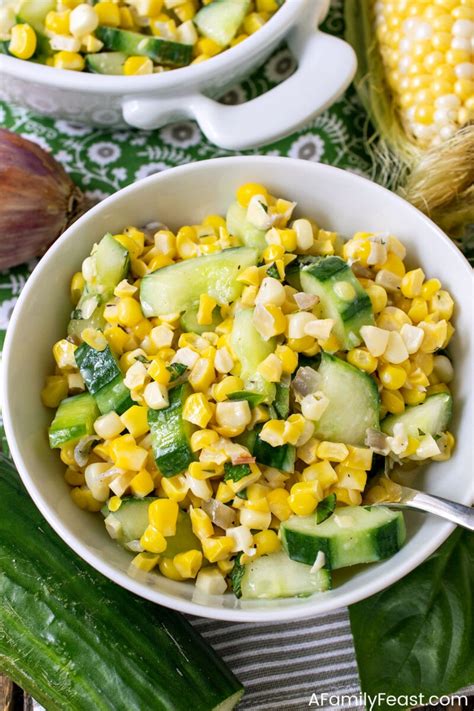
(325, 508)
(242, 494)
(236, 575)
(76, 314)
(235, 472)
(176, 370)
(265, 207)
(142, 359)
(272, 271)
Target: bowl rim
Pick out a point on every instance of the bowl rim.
(277, 26)
(277, 614)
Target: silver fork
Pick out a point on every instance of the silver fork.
(451, 510)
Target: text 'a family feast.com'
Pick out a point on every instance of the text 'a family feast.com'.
(373, 701)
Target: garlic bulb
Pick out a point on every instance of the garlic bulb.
(38, 201)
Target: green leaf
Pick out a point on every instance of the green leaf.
(416, 636)
(176, 370)
(272, 271)
(325, 508)
(236, 575)
(235, 472)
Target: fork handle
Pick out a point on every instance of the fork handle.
(451, 510)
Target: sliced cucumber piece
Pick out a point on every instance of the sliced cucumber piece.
(34, 12)
(253, 399)
(111, 262)
(106, 62)
(281, 403)
(240, 227)
(133, 518)
(98, 368)
(282, 457)
(161, 51)
(74, 419)
(250, 350)
(353, 402)
(179, 286)
(190, 323)
(352, 535)
(431, 417)
(221, 19)
(114, 396)
(170, 433)
(276, 575)
(327, 278)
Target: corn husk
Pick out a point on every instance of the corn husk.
(438, 180)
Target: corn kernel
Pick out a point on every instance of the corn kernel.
(362, 359)
(247, 191)
(278, 503)
(94, 338)
(228, 385)
(108, 12)
(74, 478)
(188, 564)
(77, 287)
(69, 60)
(202, 374)
(322, 472)
(217, 548)
(23, 41)
(163, 515)
(153, 540)
(412, 283)
(392, 377)
(359, 457)
(392, 401)
(302, 503)
(197, 409)
(175, 487)
(137, 66)
(430, 288)
(333, 451)
(83, 498)
(378, 297)
(142, 484)
(55, 390)
(145, 561)
(413, 397)
(267, 542)
(418, 310)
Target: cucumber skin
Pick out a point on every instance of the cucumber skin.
(386, 540)
(173, 54)
(388, 422)
(114, 396)
(172, 457)
(76, 642)
(98, 368)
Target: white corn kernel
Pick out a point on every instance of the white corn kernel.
(89, 271)
(255, 519)
(257, 213)
(199, 487)
(124, 288)
(396, 351)
(211, 581)
(186, 356)
(377, 254)
(297, 323)
(161, 336)
(223, 361)
(376, 339)
(135, 376)
(304, 234)
(313, 406)
(75, 383)
(388, 280)
(442, 368)
(83, 20)
(412, 337)
(96, 481)
(242, 537)
(396, 247)
(319, 328)
(271, 291)
(156, 396)
(234, 414)
(187, 33)
(65, 43)
(7, 21)
(109, 426)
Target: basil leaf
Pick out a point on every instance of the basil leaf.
(325, 508)
(236, 575)
(416, 636)
(272, 271)
(176, 370)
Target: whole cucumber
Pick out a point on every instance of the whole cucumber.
(76, 641)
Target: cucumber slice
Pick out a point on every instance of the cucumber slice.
(98, 368)
(161, 51)
(240, 227)
(369, 534)
(74, 419)
(190, 323)
(106, 62)
(281, 403)
(353, 402)
(276, 575)
(221, 19)
(179, 286)
(133, 518)
(431, 417)
(114, 396)
(282, 457)
(321, 278)
(250, 350)
(34, 12)
(170, 433)
(111, 261)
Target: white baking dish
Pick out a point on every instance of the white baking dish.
(326, 65)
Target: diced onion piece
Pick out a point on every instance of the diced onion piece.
(220, 514)
(211, 581)
(305, 301)
(306, 381)
(319, 563)
(377, 442)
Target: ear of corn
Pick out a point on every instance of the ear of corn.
(427, 157)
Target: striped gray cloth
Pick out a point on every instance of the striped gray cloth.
(282, 664)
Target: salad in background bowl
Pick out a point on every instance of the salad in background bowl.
(227, 387)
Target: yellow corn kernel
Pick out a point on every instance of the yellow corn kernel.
(435, 335)
(418, 310)
(430, 288)
(351, 478)
(447, 448)
(273, 433)
(307, 451)
(267, 542)
(202, 374)
(228, 385)
(77, 287)
(302, 503)
(57, 22)
(175, 487)
(271, 368)
(217, 548)
(323, 472)
(163, 515)
(135, 420)
(413, 397)
(142, 484)
(168, 569)
(214, 221)
(392, 377)
(288, 239)
(116, 338)
(153, 540)
(137, 65)
(392, 264)
(206, 306)
(378, 297)
(412, 283)
(392, 401)
(207, 46)
(237, 40)
(412, 446)
(442, 304)
(202, 471)
(188, 564)
(359, 457)
(159, 261)
(267, 5)
(362, 359)
(22, 42)
(74, 478)
(224, 493)
(278, 503)
(225, 566)
(129, 312)
(203, 438)
(197, 409)
(126, 19)
(299, 345)
(108, 13)
(333, 451)
(289, 359)
(94, 338)
(55, 390)
(114, 503)
(201, 523)
(145, 561)
(350, 497)
(247, 191)
(83, 498)
(69, 60)
(294, 428)
(126, 454)
(279, 319)
(159, 372)
(63, 354)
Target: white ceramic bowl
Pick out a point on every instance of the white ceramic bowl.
(326, 66)
(337, 200)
